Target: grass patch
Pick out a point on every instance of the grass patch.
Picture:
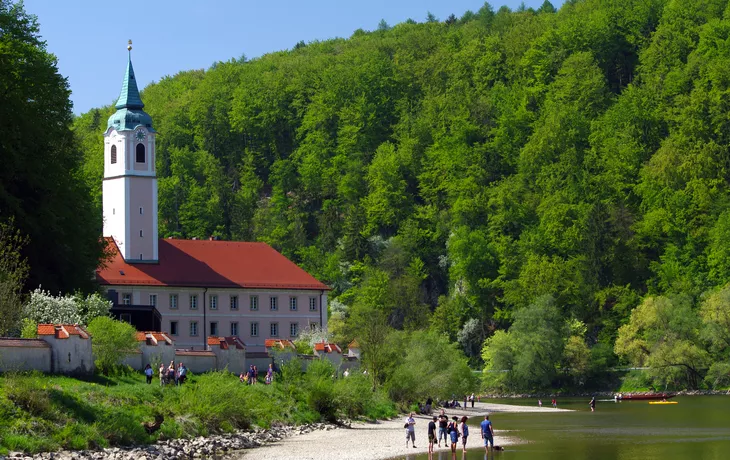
(45, 413)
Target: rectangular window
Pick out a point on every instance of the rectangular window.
(126, 317)
(214, 302)
(140, 256)
(193, 301)
(213, 328)
(313, 326)
(141, 211)
(312, 304)
(173, 301)
(234, 329)
(153, 300)
(140, 233)
(193, 328)
(127, 299)
(292, 303)
(254, 303)
(234, 302)
(254, 329)
(274, 329)
(274, 303)
(293, 329)
(173, 327)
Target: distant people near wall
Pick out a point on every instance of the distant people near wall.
(250, 374)
(182, 373)
(255, 374)
(270, 374)
(148, 372)
(163, 373)
(171, 373)
(243, 377)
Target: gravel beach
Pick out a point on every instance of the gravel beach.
(381, 440)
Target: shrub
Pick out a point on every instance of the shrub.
(111, 341)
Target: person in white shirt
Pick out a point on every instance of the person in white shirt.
(410, 427)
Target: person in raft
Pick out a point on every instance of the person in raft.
(464, 433)
(453, 430)
(593, 404)
(410, 427)
(431, 434)
(487, 433)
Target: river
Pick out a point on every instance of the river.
(697, 428)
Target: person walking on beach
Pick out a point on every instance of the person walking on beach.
(593, 404)
(410, 427)
(464, 433)
(487, 434)
(539, 403)
(454, 433)
(431, 434)
(555, 403)
(472, 400)
(443, 423)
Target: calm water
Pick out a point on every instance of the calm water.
(697, 428)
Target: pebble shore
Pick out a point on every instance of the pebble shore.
(226, 446)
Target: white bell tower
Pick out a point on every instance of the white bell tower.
(130, 182)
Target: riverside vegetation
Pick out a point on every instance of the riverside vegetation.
(45, 413)
(545, 192)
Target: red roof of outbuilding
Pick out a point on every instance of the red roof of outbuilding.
(226, 342)
(205, 263)
(62, 331)
(327, 347)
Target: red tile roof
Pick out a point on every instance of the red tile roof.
(327, 347)
(226, 342)
(279, 343)
(354, 344)
(154, 338)
(62, 331)
(23, 343)
(204, 263)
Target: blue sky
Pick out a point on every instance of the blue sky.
(89, 37)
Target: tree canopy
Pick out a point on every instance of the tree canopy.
(451, 174)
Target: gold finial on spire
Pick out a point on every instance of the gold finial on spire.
(129, 45)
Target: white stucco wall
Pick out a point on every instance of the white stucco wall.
(30, 358)
(71, 356)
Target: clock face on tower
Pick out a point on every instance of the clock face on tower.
(140, 135)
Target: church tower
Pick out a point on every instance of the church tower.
(130, 182)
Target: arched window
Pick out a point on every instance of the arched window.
(140, 153)
(114, 154)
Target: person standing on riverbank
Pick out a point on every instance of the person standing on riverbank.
(464, 433)
(411, 430)
(487, 433)
(593, 404)
(431, 434)
(454, 433)
(443, 423)
(555, 403)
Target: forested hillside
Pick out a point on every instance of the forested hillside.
(537, 172)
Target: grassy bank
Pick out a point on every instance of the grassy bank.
(46, 413)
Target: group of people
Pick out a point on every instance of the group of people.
(449, 430)
(169, 374)
(554, 403)
(251, 376)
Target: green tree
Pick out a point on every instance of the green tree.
(13, 272)
(111, 341)
(40, 183)
(663, 334)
